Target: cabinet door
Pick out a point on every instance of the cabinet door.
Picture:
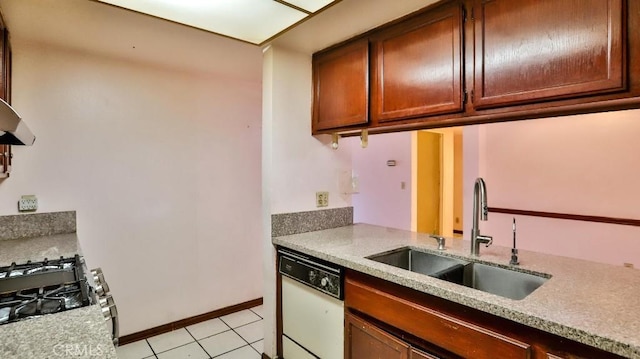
(364, 340)
(341, 87)
(534, 50)
(416, 67)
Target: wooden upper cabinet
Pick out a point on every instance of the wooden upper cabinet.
(416, 67)
(364, 340)
(537, 50)
(5, 71)
(341, 86)
(5, 94)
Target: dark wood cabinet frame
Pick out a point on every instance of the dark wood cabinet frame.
(590, 94)
(450, 330)
(5, 92)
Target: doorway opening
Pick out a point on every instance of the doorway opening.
(436, 170)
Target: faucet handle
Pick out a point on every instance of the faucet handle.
(441, 241)
(487, 240)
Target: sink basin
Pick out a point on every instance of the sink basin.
(495, 280)
(417, 261)
(491, 279)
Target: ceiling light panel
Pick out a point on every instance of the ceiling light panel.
(309, 5)
(250, 20)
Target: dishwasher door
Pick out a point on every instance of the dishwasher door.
(311, 322)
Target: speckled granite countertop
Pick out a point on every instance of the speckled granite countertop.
(592, 303)
(77, 333)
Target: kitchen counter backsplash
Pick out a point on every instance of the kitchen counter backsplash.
(37, 225)
(22, 250)
(285, 224)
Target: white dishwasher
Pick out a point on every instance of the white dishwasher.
(312, 307)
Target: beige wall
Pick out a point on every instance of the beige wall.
(163, 168)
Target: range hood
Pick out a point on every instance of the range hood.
(13, 131)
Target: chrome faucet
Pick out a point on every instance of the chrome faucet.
(479, 204)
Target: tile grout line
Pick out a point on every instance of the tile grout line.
(197, 341)
(261, 318)
(153, 351)
(256, 313)
(229, 330)
(179, 346)
(241, 337)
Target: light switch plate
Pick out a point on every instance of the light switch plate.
(322, 199)
(28, 203)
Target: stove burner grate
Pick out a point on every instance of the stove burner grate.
(42, 296)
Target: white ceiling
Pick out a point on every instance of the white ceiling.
(344, 20)
(254, 21)
(94, 27)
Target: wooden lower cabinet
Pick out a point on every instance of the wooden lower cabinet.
(386, 320)
(364, 340)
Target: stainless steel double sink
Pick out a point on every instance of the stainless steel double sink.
(487, 278)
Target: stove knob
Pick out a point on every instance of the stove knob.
(312, 276)
(96, 271)
(102, 288)
(101, 285)
(324, 281)
(108, 306)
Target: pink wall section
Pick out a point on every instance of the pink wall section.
(160, 164)
(588, 164)
(381, 200)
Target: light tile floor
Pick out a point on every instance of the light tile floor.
(235, 336)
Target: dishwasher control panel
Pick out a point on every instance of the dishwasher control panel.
(318, 274)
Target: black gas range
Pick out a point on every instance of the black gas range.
(33, 289)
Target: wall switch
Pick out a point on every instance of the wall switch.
(28, 203)
(322, 199)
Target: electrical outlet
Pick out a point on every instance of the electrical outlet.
(28, 203)
(322, 199)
